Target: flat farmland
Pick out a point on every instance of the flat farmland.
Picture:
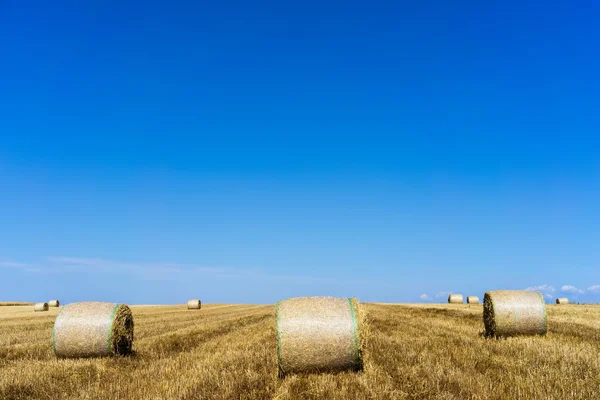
(229, 352)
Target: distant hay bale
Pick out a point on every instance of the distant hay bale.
(92, 329)
(455, 299)
(472, 300)
(54, 303)
(514, 312)
(40, 307)
(562, 300)
(319, 334)
(194, 304)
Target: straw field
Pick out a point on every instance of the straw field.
(229, 352)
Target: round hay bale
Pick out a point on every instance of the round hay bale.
(317, 334)
(194, 304)
(455, 299)
(92, 329)
(40, 307)
(562, 300)
(54, 303)
(472, 300)
(514, 312)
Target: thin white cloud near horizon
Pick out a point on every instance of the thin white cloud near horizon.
(19, 265)
(149, 271)
(541, 288)
(180, 271)
(546, 290)
(105, 263)
(12, 264)
(438, 295)
(571, 289)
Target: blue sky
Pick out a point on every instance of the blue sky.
(152, 152)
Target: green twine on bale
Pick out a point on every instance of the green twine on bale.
(109, 330)
(54, 332)
(356, 338)
(280, 372)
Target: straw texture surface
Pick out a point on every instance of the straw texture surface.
(514, 312)
(317, 334)
(455, 299)
(54, 303)
(92, 329)
(40, 307)
(472, 300)
(562, 300)
(194, 305)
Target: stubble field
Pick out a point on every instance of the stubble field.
(229, 352)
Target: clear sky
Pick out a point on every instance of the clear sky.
(152, 152)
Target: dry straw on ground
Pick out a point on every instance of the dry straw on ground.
(455, 299)
(92, 329)
(562, 300)
(472, 300)
(54, 303)
(40, 307)
(194, 304)
(416, 352)
(319, 334)
(514, 312)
